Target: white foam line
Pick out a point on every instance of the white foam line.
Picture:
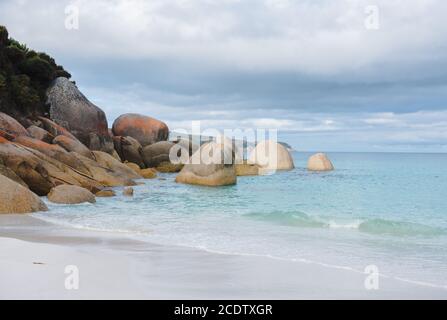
(137, 233)
(416, 282)
(81, 227)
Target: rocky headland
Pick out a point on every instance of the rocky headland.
(54, 142)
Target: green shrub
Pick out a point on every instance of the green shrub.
(15, 43)
(15, 54)
(25, 75)
(25, 96)
(37, 68)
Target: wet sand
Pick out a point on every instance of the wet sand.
(34, 256)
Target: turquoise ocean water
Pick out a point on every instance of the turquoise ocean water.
(383, 209)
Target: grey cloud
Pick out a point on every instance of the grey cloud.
(293, 63)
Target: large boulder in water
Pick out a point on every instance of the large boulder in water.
(15, 198)
(129, 149)
(145, 130)
(211, 165)
(319, 162)
(72, 110)
(271, 156)
(66, 194)
(11, 125)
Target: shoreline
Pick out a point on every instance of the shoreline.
(34, 254)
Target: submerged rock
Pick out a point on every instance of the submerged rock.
(319, 162)
(66, 194)
(105, 193)
(270, 156)
(145, 130)
(72, 110)
(15, 198)
(215, 168)
(128, 192)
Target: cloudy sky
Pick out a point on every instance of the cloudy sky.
(331, 75)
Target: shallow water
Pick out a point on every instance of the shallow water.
(389, 210)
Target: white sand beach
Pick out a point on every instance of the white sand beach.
(34, 255)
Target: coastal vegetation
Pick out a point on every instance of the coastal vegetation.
(25, 76)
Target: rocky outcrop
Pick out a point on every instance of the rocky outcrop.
(8, 173)
(55, 129)
(155, 154)
(26, 166)
(145, 130)
(15, 198)
(41, 172)
(40, 134)
(143, 173)
(11, 126)
(66, 194)
(116, 155)
(103, 174)
(319, 162)
(271, 156)
(73, 111)
(129, 149)
(216, 171)
(53, 151)
(73, 145)
(114, 165)
(133, 166)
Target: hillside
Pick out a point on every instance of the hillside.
(25, 76)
